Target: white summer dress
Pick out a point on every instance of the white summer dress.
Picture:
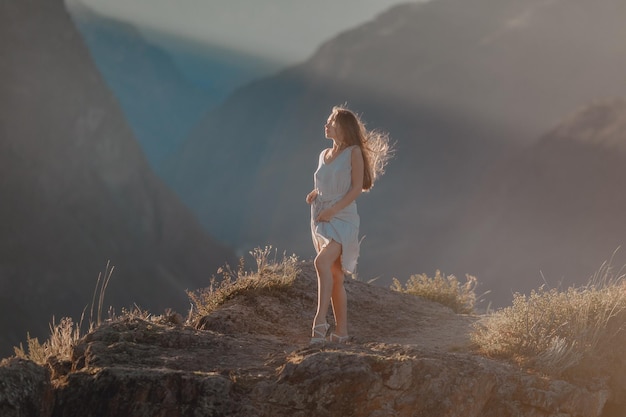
(332, 181)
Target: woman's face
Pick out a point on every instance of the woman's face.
(331, 129)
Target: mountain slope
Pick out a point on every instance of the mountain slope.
(159, 103)
(556, 208)
(459, 84)
(76, 189)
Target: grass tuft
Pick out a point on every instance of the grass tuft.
(558, 332)
(63, 337)
(65, 334)
(271, 274)
(100, 290)
(446, 290)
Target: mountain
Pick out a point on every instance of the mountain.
(556, 208)
(159, 103)
(76, 188)
(163, 88)
(459, 84)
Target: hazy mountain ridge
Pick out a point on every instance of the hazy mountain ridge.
(77, 189)
(164, 83)
(160, 104)
(519, 64)
(555, 209)
(460, 85)
(601, 124)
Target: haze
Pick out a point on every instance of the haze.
(285, 31)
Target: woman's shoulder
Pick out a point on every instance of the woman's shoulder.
(323, 152)
(352, 151)
(355, 150)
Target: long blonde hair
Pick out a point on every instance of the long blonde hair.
(375, 145)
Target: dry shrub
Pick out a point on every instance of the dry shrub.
(446, 290)
(558, 332)
(63, 337)
(271, 274)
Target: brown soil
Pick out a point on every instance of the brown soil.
(276, 324)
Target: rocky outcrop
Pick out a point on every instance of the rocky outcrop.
(409, 381)
(25, 389)
(76, 189)
(407, 357)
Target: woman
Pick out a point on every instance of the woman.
(356, 159)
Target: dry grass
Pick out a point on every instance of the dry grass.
(65, 334)
(271, 274)
(560, 332)
(446, 290)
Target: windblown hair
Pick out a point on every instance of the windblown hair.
(375, 145)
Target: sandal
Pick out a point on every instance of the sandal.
(320, 335)
(339, 339)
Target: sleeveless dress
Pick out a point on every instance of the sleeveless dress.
(332, 182)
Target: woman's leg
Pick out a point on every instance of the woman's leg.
(324, 267)
(339, 300)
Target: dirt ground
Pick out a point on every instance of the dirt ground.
(269, 327)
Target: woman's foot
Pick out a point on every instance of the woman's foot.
(319, 333)
(339, 339)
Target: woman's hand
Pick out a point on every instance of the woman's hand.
(326, 215)
(311, 196)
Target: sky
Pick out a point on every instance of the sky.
(286, 31)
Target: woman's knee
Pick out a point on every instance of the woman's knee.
(337, 272)
(328, 257)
